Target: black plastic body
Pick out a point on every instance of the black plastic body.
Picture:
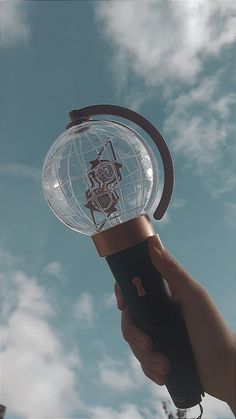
(158, 315)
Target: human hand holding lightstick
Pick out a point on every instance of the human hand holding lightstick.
(100, 178)
(213, 342)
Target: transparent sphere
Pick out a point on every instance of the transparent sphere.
(99, 174)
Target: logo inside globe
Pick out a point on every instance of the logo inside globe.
(99, 174)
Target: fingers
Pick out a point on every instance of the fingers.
(157, 377)
(154, 365)
(180, 282)
(152, 360)
(132, 334)
(121, 304)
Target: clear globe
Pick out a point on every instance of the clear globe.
(99, 174)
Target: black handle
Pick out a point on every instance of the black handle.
(154, 311)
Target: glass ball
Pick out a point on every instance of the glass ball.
(99, 174)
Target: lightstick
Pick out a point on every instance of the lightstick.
(100, 178)
(2, 411)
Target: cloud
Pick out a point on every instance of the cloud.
(212, 407)
(54, 268)
(124, 377)
(177, 204)
(37, 375)
(160, 41)
(109, 300)
(7, 260)
(114, 375)
(22, 202)
(227, 180)
(230, 213)
(15, 28)
(21, 170)
(201, 127)
(199, 123)
(164, 221)
(164, 49)
(83, 310)
(125, 411)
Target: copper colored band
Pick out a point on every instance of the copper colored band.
(123, 236)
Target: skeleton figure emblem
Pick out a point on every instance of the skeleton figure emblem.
(104, 176)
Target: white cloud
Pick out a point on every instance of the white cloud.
(200, 142)
(230, 213)
(212, 407)
(223, 105)
(228, 180)
(54, 268)
(125, 411)
(84, 310)
(37, 375)
(25, 207)
(161, 49)
(164, 221)
(109, 300)
(178, 203)
(215, 409)
(161, 41)
(31, 297)
(124, 377)
(116, 376)
(201, 125)
(8, 261)
(20, 170)
(14, 23)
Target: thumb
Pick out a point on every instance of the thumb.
(181, 285)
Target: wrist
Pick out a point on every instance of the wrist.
(231, 399)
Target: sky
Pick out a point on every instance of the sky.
(62, 352)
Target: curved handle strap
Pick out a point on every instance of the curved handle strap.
(81, 115)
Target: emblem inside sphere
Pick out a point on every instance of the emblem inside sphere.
(103, 176)
(105, 172)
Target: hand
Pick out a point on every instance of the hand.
(213, 343)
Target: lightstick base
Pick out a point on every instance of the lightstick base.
(123, 236)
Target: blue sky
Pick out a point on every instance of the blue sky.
(62, 353)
